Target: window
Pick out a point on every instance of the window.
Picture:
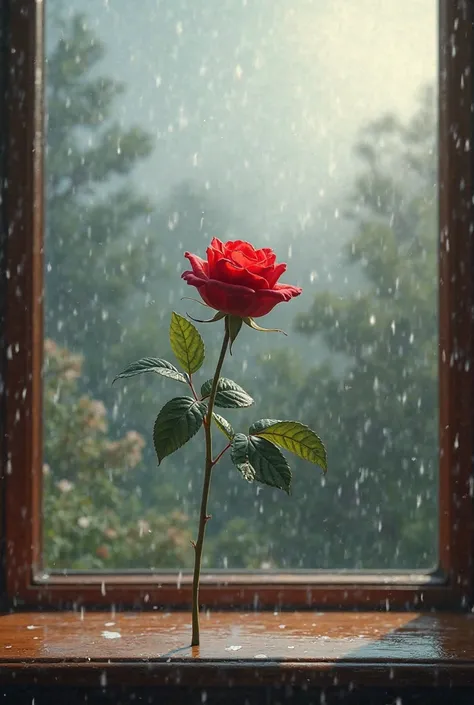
(77, 172)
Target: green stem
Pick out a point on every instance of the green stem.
(203, 516)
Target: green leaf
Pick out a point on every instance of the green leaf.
(151, 364)
(258, 459)
(229, 394)
(293, 436)
(223, 425)
(239, 453)
(178, 421)
(186, 343)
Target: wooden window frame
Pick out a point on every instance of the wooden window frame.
(21, 276)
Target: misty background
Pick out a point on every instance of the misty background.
(248, 115)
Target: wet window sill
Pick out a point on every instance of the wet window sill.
(248, 649)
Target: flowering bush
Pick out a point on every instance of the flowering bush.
(91, 519)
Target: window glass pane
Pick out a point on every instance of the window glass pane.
(309, 127)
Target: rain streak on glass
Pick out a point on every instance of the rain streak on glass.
(309, 127)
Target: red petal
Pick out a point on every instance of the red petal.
(241, 246)
(271, 274)
(229, 272)
(228, 298)
(218, 245)
(200, 267)
(241, 259)
(213, 256)
(266, 300)
(268, 256)
(193, 279)
(289, 290)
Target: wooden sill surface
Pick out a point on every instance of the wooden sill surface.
(247, 648)
(310, 648)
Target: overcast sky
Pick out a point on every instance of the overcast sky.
(262, 96)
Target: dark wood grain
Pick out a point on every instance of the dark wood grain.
(450, 587)
(23, 272)
(456, 274)
(253, 648)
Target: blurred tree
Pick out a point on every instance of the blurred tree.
(111, 260)
(379, 419)
(91, 519)
(110, 252)
(96, 258)
(111, 281)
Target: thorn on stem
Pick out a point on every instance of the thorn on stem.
(208, 516)
(193, 544)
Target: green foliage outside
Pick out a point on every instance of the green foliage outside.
(91, 519)
(379, 418)
(111, 285)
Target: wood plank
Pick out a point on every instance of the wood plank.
(322, 649)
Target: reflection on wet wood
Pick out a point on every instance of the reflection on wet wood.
(244, 648)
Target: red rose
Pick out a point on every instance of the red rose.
(238, 279)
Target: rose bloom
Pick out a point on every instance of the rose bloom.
(239, 280)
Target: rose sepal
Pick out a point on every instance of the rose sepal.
(219, 315)
(251, 324)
